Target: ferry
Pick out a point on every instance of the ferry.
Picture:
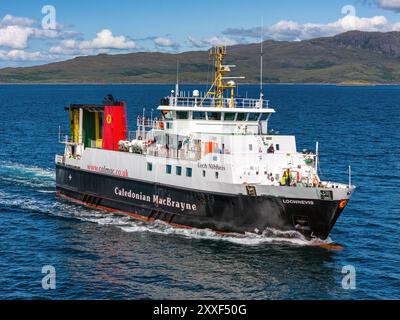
(208, 161)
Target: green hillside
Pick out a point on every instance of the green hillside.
(352, 57)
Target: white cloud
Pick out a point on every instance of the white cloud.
(105, 40)
(165, 43)
(211, 41)
(15, 37)
(389, 4)
(15, 32)
(10, 20)
(291, 31)
(21, 55)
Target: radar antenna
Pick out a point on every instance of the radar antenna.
(220, 85)
(262, 60)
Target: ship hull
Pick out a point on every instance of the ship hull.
(227, 213)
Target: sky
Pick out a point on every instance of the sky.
(34, 32)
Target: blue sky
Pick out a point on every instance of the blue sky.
(89, 27)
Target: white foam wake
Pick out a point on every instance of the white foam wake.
(26, 176)
(129, 225)
(269, 236)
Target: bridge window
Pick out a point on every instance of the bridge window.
(189, 172)
(264, 117)
(168, 169)
(241, 117)
(253, 117)
(182, 115)
(214, 116)
(178, 171)
(198, 115)
(149, 166)
(229, 116)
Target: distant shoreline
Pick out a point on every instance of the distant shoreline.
(344, 84)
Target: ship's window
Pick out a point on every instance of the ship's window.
(264, 116)
(216, 175)
(204, 173)
(189, 172)
(178, 171)
(253, 117)
(250, 147)
(169, 125)
(198, 115)
(241, 117)
(182, 115)
(149, 166)
(168, 115)
(229, 116)
(214, 115)
(278, 147)
(168, 169)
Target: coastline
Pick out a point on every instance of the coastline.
(349, 84)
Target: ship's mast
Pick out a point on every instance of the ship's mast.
(262, 61)
(219, 86)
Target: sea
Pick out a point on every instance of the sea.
(53, 249)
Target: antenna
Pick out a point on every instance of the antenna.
(317, 158)
(262, 59)
(177, 79)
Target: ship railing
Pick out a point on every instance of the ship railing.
(191, 155)
(144, 122)
(65, 139)
(244, 103)
(140, 135)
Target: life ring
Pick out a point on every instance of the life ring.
(161, 125)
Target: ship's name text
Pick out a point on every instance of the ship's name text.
(155, 199)
(211, 166)
(300, 202)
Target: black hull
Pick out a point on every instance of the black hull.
(191, 208)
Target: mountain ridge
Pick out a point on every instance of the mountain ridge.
(354, 56)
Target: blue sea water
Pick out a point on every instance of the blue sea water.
(101, 256)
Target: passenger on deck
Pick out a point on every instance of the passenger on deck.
(271, 149)
(289, 179)
(286, 179)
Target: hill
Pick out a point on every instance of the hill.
(351, 57)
